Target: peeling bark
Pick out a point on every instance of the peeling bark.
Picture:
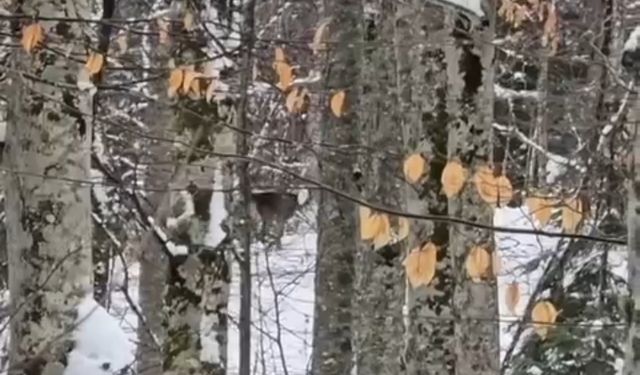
(48, 217)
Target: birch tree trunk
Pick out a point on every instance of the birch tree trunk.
(48, 214)
(379, 289)
(445, 89)
(153, 258)
(421, 35)
(332, 334)
(470, 107)
(184, 281)
(197, 288)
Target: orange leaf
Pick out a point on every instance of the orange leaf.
(94, 63)
(338, 103)
(32, 36)
(370, 227)
(195, 89)
(297, 100)
(414, 167)
(543, 315)
(285, 75)
(453, 178)
(420, 265)
(189, 77)
(540, 208)
(512, 297)
(175, 82)
(383, 237)
(478, 263)
(493, 190)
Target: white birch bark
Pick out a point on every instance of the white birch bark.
(48, 212)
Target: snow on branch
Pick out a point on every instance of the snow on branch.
(469, 7)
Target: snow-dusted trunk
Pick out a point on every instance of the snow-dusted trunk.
(336, 246)
(445, 100)
(48, 212)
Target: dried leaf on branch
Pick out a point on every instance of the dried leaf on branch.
(420, 265)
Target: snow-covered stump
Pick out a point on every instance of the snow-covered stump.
(48, 214)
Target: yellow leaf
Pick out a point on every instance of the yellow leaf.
(543, 315)
(414, 167)
(320, 37)
(32, 36)
(512, 297)
(339, 103)
(453, 178)
(541, 208)
(493, 190)
(420, 265)
(370, 227)
(163, 31)
(175, 82)
(383, 237)
(572, 215)
(94, 63)
(187, 21)
(297, 100)
(478, 263)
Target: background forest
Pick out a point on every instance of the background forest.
(319, 187)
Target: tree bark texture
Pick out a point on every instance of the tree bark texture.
(332, 333)
(48, 208)
(470, 107)
(197, 289)
(379, 290)
(445, 93)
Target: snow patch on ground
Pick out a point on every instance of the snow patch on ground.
(102, 346)
(285, 275)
